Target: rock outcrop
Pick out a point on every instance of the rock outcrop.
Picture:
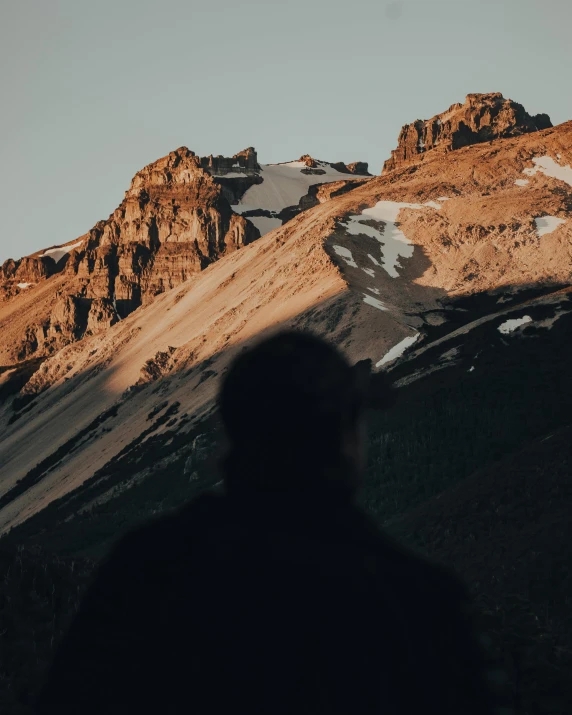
(102, 315)
(178, 216)
(358, 167)
(317, 167)
(245, 162)
(16, 276)
(66, 323)
(173, 222)
(481, 118)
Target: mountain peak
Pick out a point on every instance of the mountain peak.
(482, 117)
(356, 167)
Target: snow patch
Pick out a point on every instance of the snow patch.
(547, 224)
(433, 205)
(471, 368)
(394, 243)
(230, 175)
(373, 260)
(370, 300)
(511, 325)
(548, 166)
(285, 184)
(115, 308)
(369, 271)
(264, 224)
(58, 253)
(346, 255)
(397, 350)
(243, 208)
(522, 182)
(443, 198)
(24, 285)
(374, 290)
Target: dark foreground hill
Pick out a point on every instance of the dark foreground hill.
(471, 467)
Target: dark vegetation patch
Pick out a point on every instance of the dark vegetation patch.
(38, 597)
(155, 411)
(507, 531)
(451, 423)
(157, 366)
(38, 472)
(464, 310)
(205, 375)
(61, 528)
(23, 404)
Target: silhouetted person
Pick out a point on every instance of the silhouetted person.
(278, 595)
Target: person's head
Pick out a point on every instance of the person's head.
(293, 408)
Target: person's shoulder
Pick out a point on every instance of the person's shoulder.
(417, 573)
(169, 535)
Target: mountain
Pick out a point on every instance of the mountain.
(385, 263)
(451, 273)
(180, 214)
(481, 118)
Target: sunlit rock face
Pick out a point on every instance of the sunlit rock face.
(173, 222)
(481, 118)
(180, 214)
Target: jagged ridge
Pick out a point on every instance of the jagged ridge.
(481, 118)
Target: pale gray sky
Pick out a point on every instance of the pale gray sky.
(93, 90)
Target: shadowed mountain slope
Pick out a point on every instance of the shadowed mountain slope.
(368, 269)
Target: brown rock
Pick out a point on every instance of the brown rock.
(482, 118)
(246, 161)
(356, 167)
(173, 222)
(102, 315)
(359, 167)
(308, 160)
(66, 320)
(8, 269)
(31, 269)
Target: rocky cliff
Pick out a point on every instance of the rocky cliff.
(173, 222)
(481, 118)
(315, 166)
(245, 162)
(179, 215)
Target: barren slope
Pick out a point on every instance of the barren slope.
(367, 269)
(180, 214)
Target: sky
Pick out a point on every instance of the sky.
(91, 92)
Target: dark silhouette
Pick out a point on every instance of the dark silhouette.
(278, 595)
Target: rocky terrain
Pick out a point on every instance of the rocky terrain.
(451, 272)
(388, 261)
(481, 118)
(175, 220)
(172, 223)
